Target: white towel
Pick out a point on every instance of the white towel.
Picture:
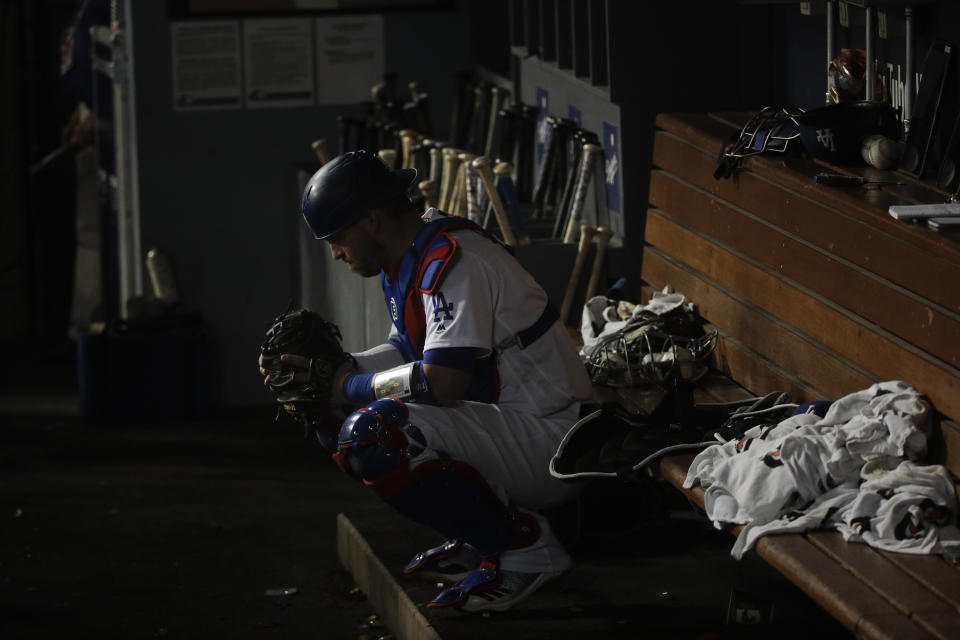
(767, 472)
(815, 516)
(805, 473)
(910, 509)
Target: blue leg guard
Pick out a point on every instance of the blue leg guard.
(371, 443)
(440, 552)
(485, 578)
(450, 496)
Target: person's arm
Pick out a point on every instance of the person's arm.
(441, 378)
(448, 373)
(446, 383)
(379, 358)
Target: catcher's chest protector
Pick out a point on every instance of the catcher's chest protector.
(421, 271)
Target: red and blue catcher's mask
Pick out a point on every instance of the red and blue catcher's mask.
(346, 188)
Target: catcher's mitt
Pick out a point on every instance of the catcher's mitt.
(306, 334)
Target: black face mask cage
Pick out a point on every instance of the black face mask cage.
(645, 352)
(765, 132)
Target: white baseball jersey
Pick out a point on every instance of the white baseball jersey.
(484, 300)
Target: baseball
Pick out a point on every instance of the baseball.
(880, 151)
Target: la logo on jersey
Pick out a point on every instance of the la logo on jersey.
(441, 310)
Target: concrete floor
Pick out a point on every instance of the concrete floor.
(171, 530)
(179, 529)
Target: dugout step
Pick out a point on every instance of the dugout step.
(631, 576)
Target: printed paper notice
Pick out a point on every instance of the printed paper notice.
(278, 62)
(350, 58)
(206, 65)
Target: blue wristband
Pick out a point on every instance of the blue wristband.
(358, 388)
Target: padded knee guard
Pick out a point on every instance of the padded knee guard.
(448, 495)
(371, 443)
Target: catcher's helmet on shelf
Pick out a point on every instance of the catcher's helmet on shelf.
(346, 188)
(832, 133)
(835, 132)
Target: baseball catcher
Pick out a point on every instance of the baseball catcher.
(456, 414)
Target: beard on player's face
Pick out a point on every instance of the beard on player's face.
(367, 270)
(359, 247)
(368, 257)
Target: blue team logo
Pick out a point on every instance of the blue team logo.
(611, 155)
(441, 310)
(393, 308)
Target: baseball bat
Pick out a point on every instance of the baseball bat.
(549, 158)
(508, 193)
(603, 240)
(436, 164)
(539, 183)
(462, 187)
(473, 195)
(459, 192)
(420, 159)
(407, 139)
(482, 165)
(584, 174)
(558, 190)
(429, 190)
(526, 135)
(322, 151)
(389, 157)
(451, 166)
(447, 154)
(348, 129)
(414, 90)
(422, 107)
(51, 157)
(497, 96)
(586, 238)
(600, 191)
(477, 121)
(508, 121)
(434, 158)
(564, 184)
(487, 214)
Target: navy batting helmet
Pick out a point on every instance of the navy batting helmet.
(346, 188)
(835, 132)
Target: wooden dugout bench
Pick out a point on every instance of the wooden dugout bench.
(816, 291)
